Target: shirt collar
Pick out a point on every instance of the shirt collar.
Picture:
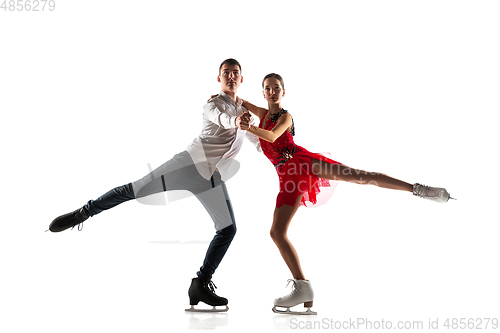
(229, 100)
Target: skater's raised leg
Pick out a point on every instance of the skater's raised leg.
(179, 173)
(108, 200)
(342, 172)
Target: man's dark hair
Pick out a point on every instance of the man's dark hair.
(276, 76)
(230, 62)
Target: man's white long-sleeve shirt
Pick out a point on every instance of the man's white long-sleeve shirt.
(220, 139)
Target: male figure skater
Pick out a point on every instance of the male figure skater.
(201, 169)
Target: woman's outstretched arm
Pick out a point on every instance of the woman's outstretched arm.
(284, 122)
(259, 112)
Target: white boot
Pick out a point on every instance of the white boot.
(302, 292)
(432, 193)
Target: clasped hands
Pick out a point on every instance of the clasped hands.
(243, 120)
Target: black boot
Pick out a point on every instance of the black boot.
(204, 290)
(69, 220)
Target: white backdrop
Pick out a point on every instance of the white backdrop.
(92, 92)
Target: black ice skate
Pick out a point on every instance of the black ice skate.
(69, 220)
(204, 291)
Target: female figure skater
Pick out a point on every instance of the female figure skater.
(301, 174)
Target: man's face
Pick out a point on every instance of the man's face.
(230, 78)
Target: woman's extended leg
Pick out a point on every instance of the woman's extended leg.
(344, 173)
(281, 220)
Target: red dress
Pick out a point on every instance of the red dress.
(294, 167)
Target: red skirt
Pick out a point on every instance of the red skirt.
(297, 177)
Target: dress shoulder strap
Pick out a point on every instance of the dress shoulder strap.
(276, 116)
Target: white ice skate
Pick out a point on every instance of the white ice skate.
(302, 292)
(432, 193)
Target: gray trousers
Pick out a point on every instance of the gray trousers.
(180, 173)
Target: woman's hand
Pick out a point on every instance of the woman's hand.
(259, 112)
(213, 97)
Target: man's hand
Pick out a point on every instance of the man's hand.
(243, 121)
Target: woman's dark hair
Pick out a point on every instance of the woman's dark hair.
(276, 76)
(230, 62)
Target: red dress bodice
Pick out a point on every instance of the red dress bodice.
(294, 167)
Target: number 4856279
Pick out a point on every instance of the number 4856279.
(28, 5)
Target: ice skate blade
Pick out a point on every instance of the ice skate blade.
(307, 312)
(214, 309)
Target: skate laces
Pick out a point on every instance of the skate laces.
(79, 228)
(211, 286)
(434, 193)
(80, 224)
(424, 191)
(294, 286)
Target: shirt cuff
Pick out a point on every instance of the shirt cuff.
(232, 121)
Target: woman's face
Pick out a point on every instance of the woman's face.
(273, 91)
